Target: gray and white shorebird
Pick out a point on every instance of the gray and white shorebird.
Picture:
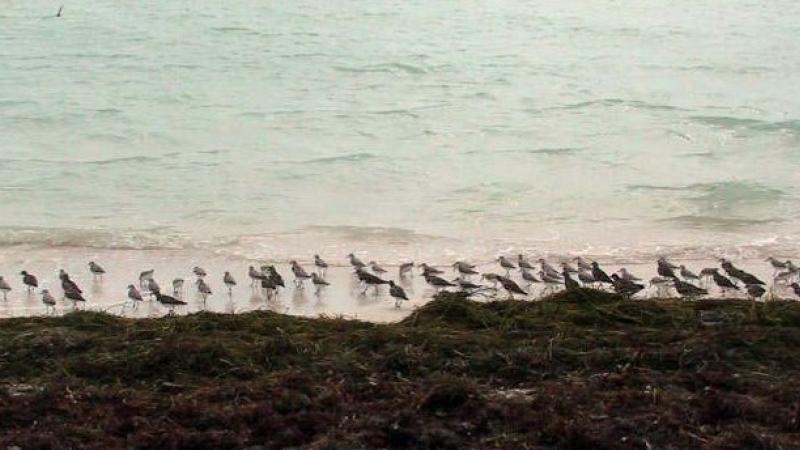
(582, 264)
(755, 291)
(169, 302)
(199, 272)
(551, 283)
(687, 274)
(464, 268)
(369, 279)
(96, 270)
(438, 282)
(397, 293)
(75, 297)
(786, 277)
(49, 301)
(492, 278)
(319, 282)
(523, 263)
(686, 289)
(777, 265)
(548, 269)
(134, 296)
(229, 281)
(152, 286)
(300, 274)
(466, 285)
(796, 288)
(665, 269)
(663, 261)
(625, 288)
(29, 281)
(321, 265)
(146, 276)
(528, 276)
(67, 285)
(506, 264)
(568, 267)
(724, 283)
(5, 288)
(599, 275)
(355, 262)
(569, 283)
(255, 276)
(177, 287)
(625, 274)
(430, 270)
(204, 289)
(585, 277)
(511, 287)
(406, 269)
(377, 269)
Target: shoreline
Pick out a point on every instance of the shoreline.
(580, 370)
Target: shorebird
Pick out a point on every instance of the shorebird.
(405, 269)
(68, 285)
(796, 289)
(491, 277)
(723, 282)
(548, 269)
(463, 268)
(29, 280)
(739, 274)
(397, 293)
(506, 264)
(599, 275)
(625, 288)
(169, 302)
(569, 283)
(665, 269)
(153, 286)
(376, 269)
(369, 279)
(466, 285)
(75, 296)
(321, 265)
(229, 281)
(177, 287)
(551, 282)
(300, 274)
(582, 264)
(204, 289)
(626, 275)
(776, 264)
(5, 288)
(145, 276)
(511, 287)
(528, 276)
(568, 267)
(255, 276)
(49, 301)
(274, 277)
(437, 282)
(199, 272)
(318, 282)
(688, 290)
(687, 274)
(96, 270)
(524, 263)
(755, 291)
(355, 262)
(429, 270)
(134, 295)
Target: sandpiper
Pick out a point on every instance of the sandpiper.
(355, 262)
(68, 285)
(511, 287)
(29, 280)
(5, 288)
(739, 274)
(463, 268)
(397, 293)
(665, 269)
(429, 270)
(199, 272)
(134, 295)
(585, 277)
(406, 269)
(300, 274)
(318, 282)
(506, 264)
(204, 289)
(275, 278)
(551, 283)
(369, 279)
(796, 289)
(627, 275)
(687, 274)
(776, 264)
(755, 291)
(466, 285)
(169, 302)
(582, 264)
(599, 275)
(626, 288)
(528, 276)
(75, 296)
(229, 281)
(437, 282)
(569, 283)
(49, 301)
(96, 270)
(153, 286)
(492, 278)
(376, 268)
(321, 265)
(548, 269)
(146, 276)
(724, 283)
(687, 289)
(524, 263)
(664, 262)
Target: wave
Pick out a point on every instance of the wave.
(98, 162)
(718, 223)
(610, 102)
(385, 68)
(151, 239)
(720, 192)
(351, 157)
(747, 124)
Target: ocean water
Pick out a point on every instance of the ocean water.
(400, 130)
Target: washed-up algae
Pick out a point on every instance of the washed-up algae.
(579, 370)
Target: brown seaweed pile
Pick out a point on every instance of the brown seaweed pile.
(579, 370)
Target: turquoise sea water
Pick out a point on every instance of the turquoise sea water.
(282, 128)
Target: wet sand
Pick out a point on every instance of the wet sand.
(343, 298)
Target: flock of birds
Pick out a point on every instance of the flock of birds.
(572, 275)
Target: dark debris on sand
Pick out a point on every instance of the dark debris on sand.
(580, 370)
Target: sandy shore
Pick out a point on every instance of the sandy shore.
(342, 298)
